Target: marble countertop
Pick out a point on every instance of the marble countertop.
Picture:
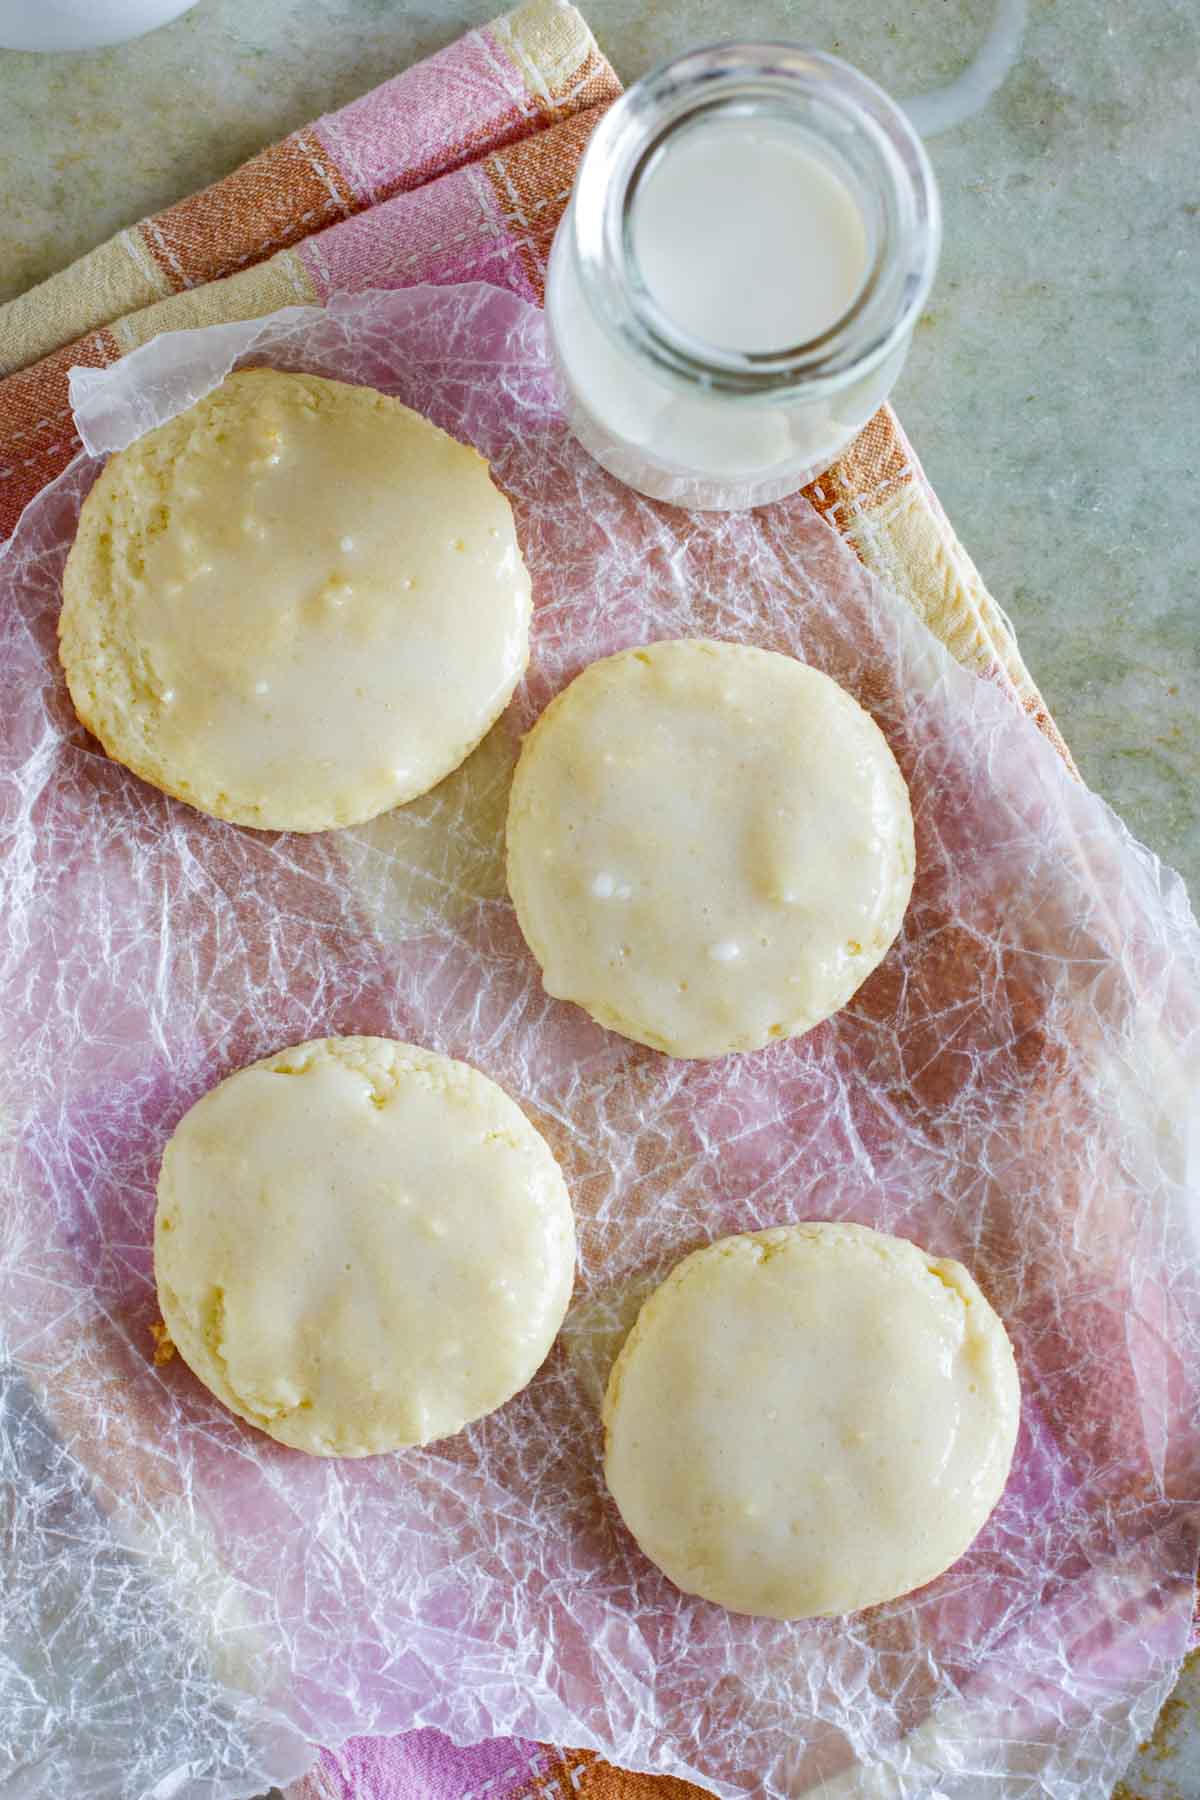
(1052, 389)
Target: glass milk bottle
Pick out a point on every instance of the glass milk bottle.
(732, 290)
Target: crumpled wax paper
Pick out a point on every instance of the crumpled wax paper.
(188, 1605)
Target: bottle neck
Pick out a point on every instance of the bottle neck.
(773, 93)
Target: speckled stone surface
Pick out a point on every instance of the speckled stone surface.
(1054, 383)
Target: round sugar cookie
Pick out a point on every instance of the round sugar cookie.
(811, 1419)
(709, 846)
(360, 1246)
(295, 605)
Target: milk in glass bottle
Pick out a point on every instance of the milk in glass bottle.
(732, 290)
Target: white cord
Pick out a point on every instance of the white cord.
(970, 93)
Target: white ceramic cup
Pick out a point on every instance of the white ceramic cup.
(81, 24)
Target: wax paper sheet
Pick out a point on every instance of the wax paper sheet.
(188, 1605)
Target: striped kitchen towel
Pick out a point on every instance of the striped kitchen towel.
(424, 1765)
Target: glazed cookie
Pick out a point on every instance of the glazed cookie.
(811, 1419)
(709, 846)
(360, 1245)
(295, 605)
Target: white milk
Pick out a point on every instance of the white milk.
(745, 238)
(747, 241)
(732, 290)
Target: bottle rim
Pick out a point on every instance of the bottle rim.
(857, 128)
